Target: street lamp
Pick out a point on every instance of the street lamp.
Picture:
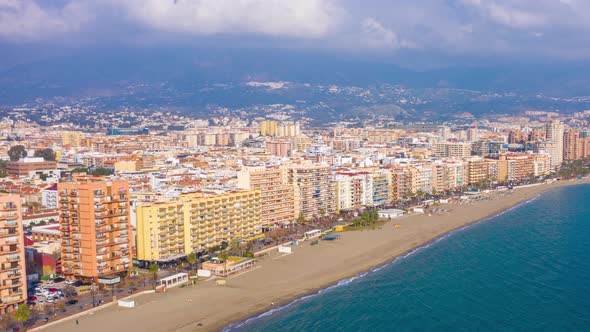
(93, 296)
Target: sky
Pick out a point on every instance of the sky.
(519, 29)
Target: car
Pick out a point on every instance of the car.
(78, 283)
(70, 282)
(59, 279)
(49, 300)
(49, 283)
(32, 298)
(71, 302)
(53, 290)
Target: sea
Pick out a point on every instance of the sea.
(526, 269)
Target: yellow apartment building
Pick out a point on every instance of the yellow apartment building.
(196, 222)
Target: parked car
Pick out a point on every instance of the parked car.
(59, 279)
(32, 298)
(70, 282)
(71, 302)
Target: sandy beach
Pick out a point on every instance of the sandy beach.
(281, 278)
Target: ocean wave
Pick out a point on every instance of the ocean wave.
(362, 275)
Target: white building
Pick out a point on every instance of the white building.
(49, 197)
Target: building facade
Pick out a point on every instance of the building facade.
(13, 278)
(277, 198)
(314, 190)
(195, 222)
(95, 227)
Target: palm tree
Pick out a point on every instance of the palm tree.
(235, 246)
(224, 257)
(154, 269)
(191, 259)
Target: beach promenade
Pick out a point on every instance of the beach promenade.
(281, 278)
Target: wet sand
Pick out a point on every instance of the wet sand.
(281, 278)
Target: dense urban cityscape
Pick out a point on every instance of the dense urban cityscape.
(106, 209)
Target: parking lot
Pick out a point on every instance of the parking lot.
(58, 296)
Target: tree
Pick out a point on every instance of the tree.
(224, 257)
(235, 247)
(46, 154)
(301, 219)
(133, 271)
(191, 259)
(101, 171)
(17, 152)
(69, 290)
(3, 172)
(80, 170)
(22, 313)
(154, 269)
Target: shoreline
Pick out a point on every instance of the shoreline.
(285, 280)
(359, 275)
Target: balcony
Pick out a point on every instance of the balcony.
(9, 223)
(8, 233)
(10, 207)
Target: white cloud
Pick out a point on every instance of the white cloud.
(378, 36)
(453, 26)
(300, 18)
(26, 19)
(514, 17)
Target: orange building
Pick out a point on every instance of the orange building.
(95, 227)
(279, 148)
(13, 278)
(277, 197)
(571, 145)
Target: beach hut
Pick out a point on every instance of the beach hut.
(311, 234)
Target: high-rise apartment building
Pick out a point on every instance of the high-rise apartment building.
(95, 228)
(478, 169)
(452, 150)
(380, 187)
(269, 128)
(404, 182)
(445, 133)
(354, 190)
(516, 137)
(277, 197)
(572, 145)
(195, 222)
(281, 148)
(472, 134)
(314, 190)
(554, 134)
(13, 278)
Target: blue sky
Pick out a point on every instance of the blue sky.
(554, 29)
